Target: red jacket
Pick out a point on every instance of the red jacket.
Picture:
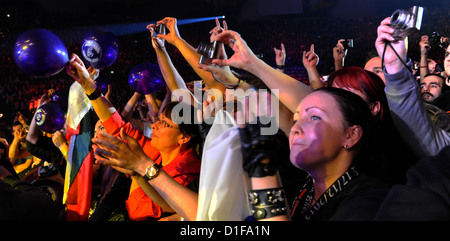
(185, 168)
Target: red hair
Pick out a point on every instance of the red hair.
(368, 83)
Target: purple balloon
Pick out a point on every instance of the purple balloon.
(146, 79)
(61, 98)
(49, 117)
(41, 53)
(102, 83)
(100, 48)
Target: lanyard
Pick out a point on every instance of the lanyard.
(307, 193)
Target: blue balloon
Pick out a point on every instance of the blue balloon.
(100, 48)
(102, 83)
(49, 117)
(61, 98)
(41, 53)
(146, 79)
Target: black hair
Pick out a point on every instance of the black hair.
(437, 75)
(185, 121)
(444, 86)
(356, 112)
(16, 123)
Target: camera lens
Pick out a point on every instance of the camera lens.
(204, 49)
(199, 48)
(400, 18)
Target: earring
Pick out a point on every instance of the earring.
(346, 147)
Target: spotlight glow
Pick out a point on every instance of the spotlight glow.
(131, 28)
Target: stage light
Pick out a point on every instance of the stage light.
(131, 28)
(123, 29)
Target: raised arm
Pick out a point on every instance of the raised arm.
(15, 151)
(223, 74)
(291, 90)
(280, 57)
(424, 47)
(77, 70)
(403, 95)
(34, 132)
(310, 61)
(128, 109)
(172, 77)
(261, 155)
(339, 53)
(188, 52)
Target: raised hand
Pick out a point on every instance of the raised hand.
(216, 31)
(310, 58)
(243, 57)
(77, 70)
(171, 25)
(280, 55)
(392, 63)
(424, 44)
(339, 53)
(157, 42)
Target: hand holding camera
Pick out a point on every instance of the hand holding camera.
(214, 49)
(155, 30)
(167, 30)
(406, 21)
(424, 45)
(243, 57)
(391, 62)
(439, 40)
(392, 33)
(340, 50)
(208, 52)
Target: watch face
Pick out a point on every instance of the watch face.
(153, 171)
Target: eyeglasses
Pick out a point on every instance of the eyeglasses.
(164, 124)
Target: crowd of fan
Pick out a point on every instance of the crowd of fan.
(19, 92)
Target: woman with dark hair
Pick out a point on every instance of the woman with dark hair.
(334, 142)
(177, 144)
(398, 158)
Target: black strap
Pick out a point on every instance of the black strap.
(307, 194)
(94, 95)
(398, 56)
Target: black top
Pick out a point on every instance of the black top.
(20, 201)
(426, 194)
(359, 200)
(45, 150)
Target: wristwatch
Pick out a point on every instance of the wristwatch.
(152, 172)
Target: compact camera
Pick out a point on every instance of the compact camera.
(208, 51)
(348, 43)
(160, 29)
(406, 21)
(437, 39)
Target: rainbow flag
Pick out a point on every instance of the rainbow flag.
(78, 177)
